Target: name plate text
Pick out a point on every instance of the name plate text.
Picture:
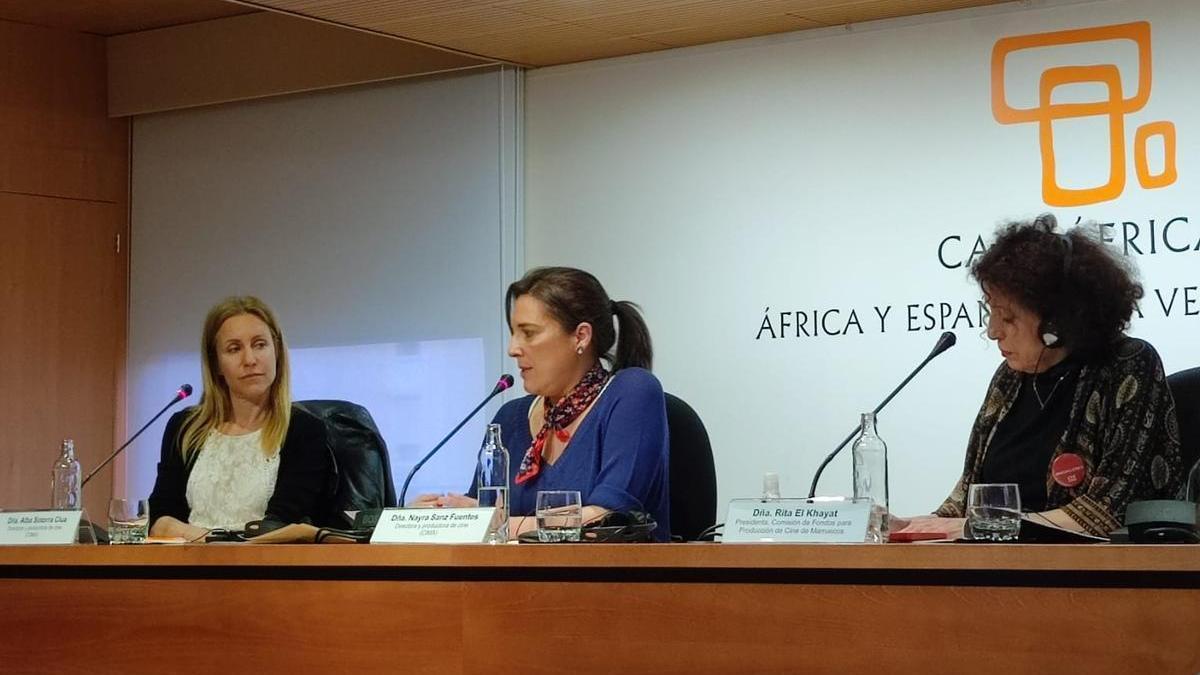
(39, 527)
(796, 521)
(433, 526)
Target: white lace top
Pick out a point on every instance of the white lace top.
(231, 481)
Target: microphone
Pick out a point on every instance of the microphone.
(503, 383)
(184, 392)
(946, 341)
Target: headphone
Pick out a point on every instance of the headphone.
(620, 527)
(1049, 329)
(615, 527)
(1162, 521)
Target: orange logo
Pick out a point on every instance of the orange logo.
(1116, 107)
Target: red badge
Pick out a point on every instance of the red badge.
(1067, 470)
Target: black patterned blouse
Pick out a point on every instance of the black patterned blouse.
(1122, 425)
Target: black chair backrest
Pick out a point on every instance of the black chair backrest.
(692, 473)
(1185, 388)
(360, 458)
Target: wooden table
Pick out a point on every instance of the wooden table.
(679, 608)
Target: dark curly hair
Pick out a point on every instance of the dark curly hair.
(1073, 280)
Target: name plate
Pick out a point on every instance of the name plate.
(39, 527)
(432, 526)
(796, 521)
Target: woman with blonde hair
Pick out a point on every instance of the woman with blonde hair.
(244, 453)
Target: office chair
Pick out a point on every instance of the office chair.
(1185, 388)
(360, 459)
(693, 477)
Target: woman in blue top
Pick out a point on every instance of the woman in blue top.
(583, 427)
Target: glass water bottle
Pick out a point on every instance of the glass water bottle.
(492, 487)
(65, 479)
(871, 477)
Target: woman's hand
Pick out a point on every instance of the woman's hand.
(173, 527)
(518, 525)
(425, 501)
(448, 500)
(457, 501)
(951, 528)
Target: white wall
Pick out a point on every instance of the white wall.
(820, 171)
(380, 224)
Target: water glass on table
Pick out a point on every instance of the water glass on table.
(559, 515)
(128, 521)
(994, 512)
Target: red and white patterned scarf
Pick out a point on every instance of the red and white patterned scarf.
(560, 416)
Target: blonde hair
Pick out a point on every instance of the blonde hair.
(215, 407)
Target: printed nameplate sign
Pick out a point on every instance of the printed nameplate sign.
(39, 527)
(796, 521)
(433, 526)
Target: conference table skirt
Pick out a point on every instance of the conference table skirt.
(588, 608)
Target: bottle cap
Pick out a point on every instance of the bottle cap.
(770, 486)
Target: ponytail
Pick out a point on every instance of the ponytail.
(572, 297)
(634, 349)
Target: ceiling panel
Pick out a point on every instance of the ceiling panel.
(557, 43)
(657, 13)
(465, 23)
(733, 29)
(550, 32)
(396, 8)
(843, 12)
(551, 52)
(652, 19)
(115, 17)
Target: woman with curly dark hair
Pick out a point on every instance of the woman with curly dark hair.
(1079, 414)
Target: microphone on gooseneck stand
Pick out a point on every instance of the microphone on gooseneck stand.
(184, 392)
(946, 341)
(503, 383)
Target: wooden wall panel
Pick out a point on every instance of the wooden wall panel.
(1144, 564)
(63, 286)
(611, 608)
(55, 136)
(361, 627)
(114, 17)
(551, 32)
(62, 337)
(256, 55)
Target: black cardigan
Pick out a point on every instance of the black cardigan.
(306, 472)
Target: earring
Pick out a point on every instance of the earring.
(579, 350)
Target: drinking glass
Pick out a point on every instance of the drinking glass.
(559, 515)
(128, 521)
(994, 512)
